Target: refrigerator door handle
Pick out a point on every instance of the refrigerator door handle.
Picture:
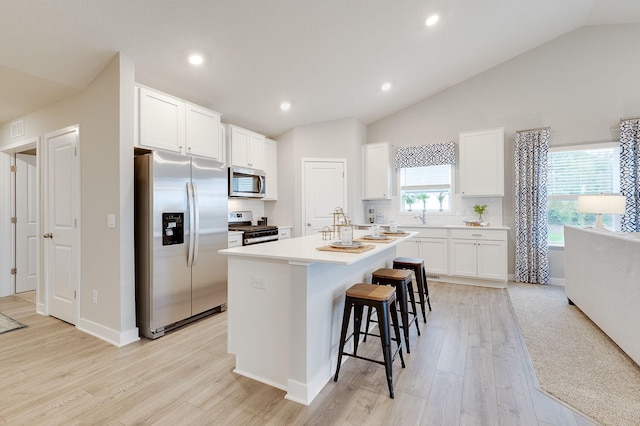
(196, 227)
(191, 208)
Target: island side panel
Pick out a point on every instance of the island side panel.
(259, 318)
(318, 292)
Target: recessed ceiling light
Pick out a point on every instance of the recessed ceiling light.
(431, 20)
(385, 87)
(285, 106)
(196, 59)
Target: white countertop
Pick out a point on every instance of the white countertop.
(303, 249)
(417, 226)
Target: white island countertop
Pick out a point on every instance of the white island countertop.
(304, 249)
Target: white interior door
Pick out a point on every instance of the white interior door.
(324, 189)
(27, 239)
(62, 260)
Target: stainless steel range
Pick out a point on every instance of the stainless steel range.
(251, 234)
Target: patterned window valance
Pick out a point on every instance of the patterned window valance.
(426, 155)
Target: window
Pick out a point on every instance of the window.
(427, 187)
(586, 169)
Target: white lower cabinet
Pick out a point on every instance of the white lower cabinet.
(466, 256)
(478, 254)
(430, 245)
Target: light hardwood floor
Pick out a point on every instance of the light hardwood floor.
(469, 367)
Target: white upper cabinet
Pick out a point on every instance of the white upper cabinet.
(246, 148)
(203, 133)
(160, 121)
(376, 167)
(482, 163)
(271, 169)
(171, 124)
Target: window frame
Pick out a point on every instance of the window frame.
(400, 188)
(574, 197)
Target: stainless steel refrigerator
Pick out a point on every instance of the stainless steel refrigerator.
(180, 224)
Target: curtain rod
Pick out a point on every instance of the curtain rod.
(629, 118)
(530, 130)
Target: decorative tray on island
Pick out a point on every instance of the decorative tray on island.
(475, 223)
(340, 244)
(375, 237)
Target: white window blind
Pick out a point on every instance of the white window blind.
(584, 171)
(425, 177)
(577, 170)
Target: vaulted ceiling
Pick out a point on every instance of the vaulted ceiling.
(327, 58)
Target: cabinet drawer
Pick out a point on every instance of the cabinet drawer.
(234, 239)
(480, 234)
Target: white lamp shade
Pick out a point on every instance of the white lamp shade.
(602, 204)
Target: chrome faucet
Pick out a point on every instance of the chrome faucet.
(423, 218)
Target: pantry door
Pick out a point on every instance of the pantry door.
(324, 189)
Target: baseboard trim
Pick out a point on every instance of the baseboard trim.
(107, 334)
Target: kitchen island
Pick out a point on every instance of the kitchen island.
(285, 307)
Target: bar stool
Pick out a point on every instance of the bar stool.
(417, 266)
(384, 300)
(402, 281)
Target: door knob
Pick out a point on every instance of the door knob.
(308, 224)
(49, 235)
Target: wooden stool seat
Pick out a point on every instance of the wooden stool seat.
(417, 266)
(371, 292)
(401, 280)
(383, 299)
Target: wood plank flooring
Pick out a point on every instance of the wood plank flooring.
(469, 367)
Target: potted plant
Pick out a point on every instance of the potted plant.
(409, 199)
(441, 199)
(423, 197)
(480, 209)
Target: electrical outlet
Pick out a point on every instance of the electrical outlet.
(95, 296)
(258, 283)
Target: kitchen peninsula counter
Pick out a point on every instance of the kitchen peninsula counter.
(285, 308)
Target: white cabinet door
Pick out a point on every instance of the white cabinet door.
(376, 181)
(203, 132)
(409, 248)
(238, 146)
(464, 259)
(482, 163)
(434, 253)
(256, 151)
(160, 121)
(246, 148)
(271, 169)
(492, 258)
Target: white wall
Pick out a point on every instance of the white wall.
(339, 139)
(104, 112)
(580, 84)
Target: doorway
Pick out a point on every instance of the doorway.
(324, 188)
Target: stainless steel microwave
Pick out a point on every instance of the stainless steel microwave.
(246, 183)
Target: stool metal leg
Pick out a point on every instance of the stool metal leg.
(385, 341)
(343, 335)
(412, 299)
(426, 289)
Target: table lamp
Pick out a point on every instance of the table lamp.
(602, 204)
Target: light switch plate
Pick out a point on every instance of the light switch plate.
(111, 220)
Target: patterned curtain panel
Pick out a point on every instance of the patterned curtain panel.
(532, 253)
(434, 154)
(629, 171)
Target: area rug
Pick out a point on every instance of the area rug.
(9, 324)
(573, 359)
